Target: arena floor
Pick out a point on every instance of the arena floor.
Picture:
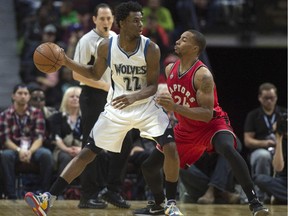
(69, 208)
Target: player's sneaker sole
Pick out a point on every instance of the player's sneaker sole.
(34, 204)
(263, 212)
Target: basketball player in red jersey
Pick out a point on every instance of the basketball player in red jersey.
(203, 125)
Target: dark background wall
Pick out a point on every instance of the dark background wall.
(238, 74)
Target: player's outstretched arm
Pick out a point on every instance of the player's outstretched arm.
(82, 69)
(94, 72)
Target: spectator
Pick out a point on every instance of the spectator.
(33, 24)
(68, 15)
(31, 75)
(277, 185)
(38, 100)
(67, 128)
(164, 17)
(22, 128)
(210, 180)
(157, 34)
(259, 136)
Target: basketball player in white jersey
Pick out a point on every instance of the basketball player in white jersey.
(134, 61)
(92, 101)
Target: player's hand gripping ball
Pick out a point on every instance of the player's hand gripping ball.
(48, 57)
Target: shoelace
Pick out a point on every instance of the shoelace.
(172, 207)
(43, 198)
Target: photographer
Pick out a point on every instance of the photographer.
(259, 135)
(276, 186)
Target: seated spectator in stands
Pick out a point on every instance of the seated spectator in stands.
(276, 186)
(68, 15)
(22, 128)
(67, 128)
(38, 100)
(209, 180)
(164, 17)
(30, 74)
(259, 136)
(157, 34)
(65, 81)
(32, 24)
(75, 32)
(140, 151)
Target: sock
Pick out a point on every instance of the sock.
(159, 198)
(58, 186)
(250, 193)
(171, 190)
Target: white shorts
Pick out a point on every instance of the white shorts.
(112, 125)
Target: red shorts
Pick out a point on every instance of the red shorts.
(192, 143)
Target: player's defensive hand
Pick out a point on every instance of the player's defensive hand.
(165, 100)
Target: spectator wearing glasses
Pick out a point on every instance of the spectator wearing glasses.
(38, 100)
(259, 135)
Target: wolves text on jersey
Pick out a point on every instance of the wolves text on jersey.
(130, 69)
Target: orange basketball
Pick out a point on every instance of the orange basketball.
(47, 57)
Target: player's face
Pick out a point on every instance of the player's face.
(133, 24)
(185, 44)
(103, 21)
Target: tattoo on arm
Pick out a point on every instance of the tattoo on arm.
(205, 89)
(207, 84)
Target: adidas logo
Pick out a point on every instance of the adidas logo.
(169, 136)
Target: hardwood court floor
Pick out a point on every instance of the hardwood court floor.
(69, 208)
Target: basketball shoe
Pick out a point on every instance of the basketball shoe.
(41, 203)
(113, 198)
(257, 208)
(171, 209)
(151, 209)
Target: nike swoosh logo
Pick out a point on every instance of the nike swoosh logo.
(155, 211)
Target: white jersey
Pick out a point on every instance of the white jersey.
(129, 71)
(129, 75)
(86, 51)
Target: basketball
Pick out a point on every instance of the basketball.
(47, 57)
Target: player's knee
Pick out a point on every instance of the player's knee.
(86, 156)
(170, 150)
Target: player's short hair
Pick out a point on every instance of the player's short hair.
(101, 5)
(200, 40)
(123, 10)
(266, 87)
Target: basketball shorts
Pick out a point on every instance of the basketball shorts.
(113, 124)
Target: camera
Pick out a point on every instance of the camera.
(281, 125)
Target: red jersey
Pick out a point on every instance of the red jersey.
(193, 137)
